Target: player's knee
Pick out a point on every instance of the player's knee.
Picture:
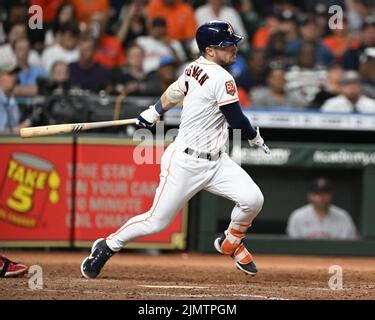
(253, 202)
(157, 225)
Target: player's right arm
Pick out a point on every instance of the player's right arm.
(170, 98)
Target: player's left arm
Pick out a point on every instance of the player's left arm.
(170, 98)
(237, 120)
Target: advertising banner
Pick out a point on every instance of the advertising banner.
(41, 180)
(111, 188)
(34, 204)
(317, 155)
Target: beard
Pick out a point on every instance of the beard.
(226, 64)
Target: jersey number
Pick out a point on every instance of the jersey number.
(186, 88)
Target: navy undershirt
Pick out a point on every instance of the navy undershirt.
(237, 120)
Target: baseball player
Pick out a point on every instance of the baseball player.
(196, 159)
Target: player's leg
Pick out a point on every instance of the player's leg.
(180, 179)
(232, 182)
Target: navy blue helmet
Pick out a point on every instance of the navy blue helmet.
(216, 33)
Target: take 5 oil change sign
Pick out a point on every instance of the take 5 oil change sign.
(34, 204)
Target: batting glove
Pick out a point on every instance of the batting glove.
(258, 141)
(148, 118)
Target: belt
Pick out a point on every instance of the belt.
(203, 155)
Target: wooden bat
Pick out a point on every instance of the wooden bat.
(70, 127)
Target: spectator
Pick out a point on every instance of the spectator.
(157, 45)
(109, 52)
(134, 23)
(16, 32)
(10, 268)
(306, 78)
(249, 16)
(275, 49)
(131, 78)
(320, 219)
(181, 23)
(358, 11)
(262, 35)
(255, 76)
(322, 16)
(367, 71)
(351, 98)
(351, 57)
(59, 72)
(158, 81)
(310, 33)
(18, 14)
(330, 88)
(288, 25)
(58, 79)
(9, 111)
(65, 49)
(65, 14)
(274, 94)
(340, 41)
(85, 9)
(217, 10)
(28, 75)
(86, 73)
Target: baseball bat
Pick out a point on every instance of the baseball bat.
(70, 127)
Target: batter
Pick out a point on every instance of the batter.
(196, 160)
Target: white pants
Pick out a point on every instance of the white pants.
(181, 177)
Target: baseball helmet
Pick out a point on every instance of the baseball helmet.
(216, 33)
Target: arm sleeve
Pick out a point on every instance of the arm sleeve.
(237, 120)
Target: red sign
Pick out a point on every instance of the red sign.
(36, 182)
(33, 201)
(111, 188)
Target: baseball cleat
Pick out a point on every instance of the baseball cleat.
(93, 264)
(243, 259)
(9, 268)
(225, 246)
(218, 242)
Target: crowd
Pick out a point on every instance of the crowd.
(293, 55)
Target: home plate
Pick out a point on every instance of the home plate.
(172, 287)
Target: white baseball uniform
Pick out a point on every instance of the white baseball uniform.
(203, 129)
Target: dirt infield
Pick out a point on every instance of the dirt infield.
(191, 276)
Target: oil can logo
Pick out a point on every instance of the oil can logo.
(29, 184)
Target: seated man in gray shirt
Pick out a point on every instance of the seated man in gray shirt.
(320, 219)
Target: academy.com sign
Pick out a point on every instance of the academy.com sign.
(344, 156)
(303, 156)
(278, 156)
